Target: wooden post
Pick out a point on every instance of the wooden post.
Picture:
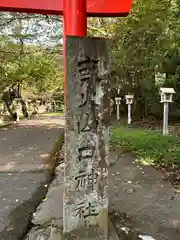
(165, 118)
(86, 139)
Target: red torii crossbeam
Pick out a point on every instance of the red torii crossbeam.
(55, 7)
(74, 11)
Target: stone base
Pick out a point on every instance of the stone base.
(37, 233)
(89, 233)
(53, 233)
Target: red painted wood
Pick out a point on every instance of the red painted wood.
(55, 7)
(75, 23)
(75, 17)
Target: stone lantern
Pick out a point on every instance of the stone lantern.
(118, 100)
(166, 95)
(166, 98)
(129, 102)
(129, 99)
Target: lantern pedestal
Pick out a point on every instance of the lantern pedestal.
(129, 113)
(165, 118)
(118, 112)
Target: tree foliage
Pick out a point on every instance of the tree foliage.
(144, 43)
(30, 52)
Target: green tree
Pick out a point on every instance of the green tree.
(145, 42)
(29, 51)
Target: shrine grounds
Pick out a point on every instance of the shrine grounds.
(144, 179)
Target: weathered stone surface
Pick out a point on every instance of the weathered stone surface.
(112, 231)
(59, 173)
(52, 206)
(39, 233)
(86, 135)
(56, 234)
(145, 237)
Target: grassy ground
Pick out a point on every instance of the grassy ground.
(150, 146)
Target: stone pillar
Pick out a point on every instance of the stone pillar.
(86, 139)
